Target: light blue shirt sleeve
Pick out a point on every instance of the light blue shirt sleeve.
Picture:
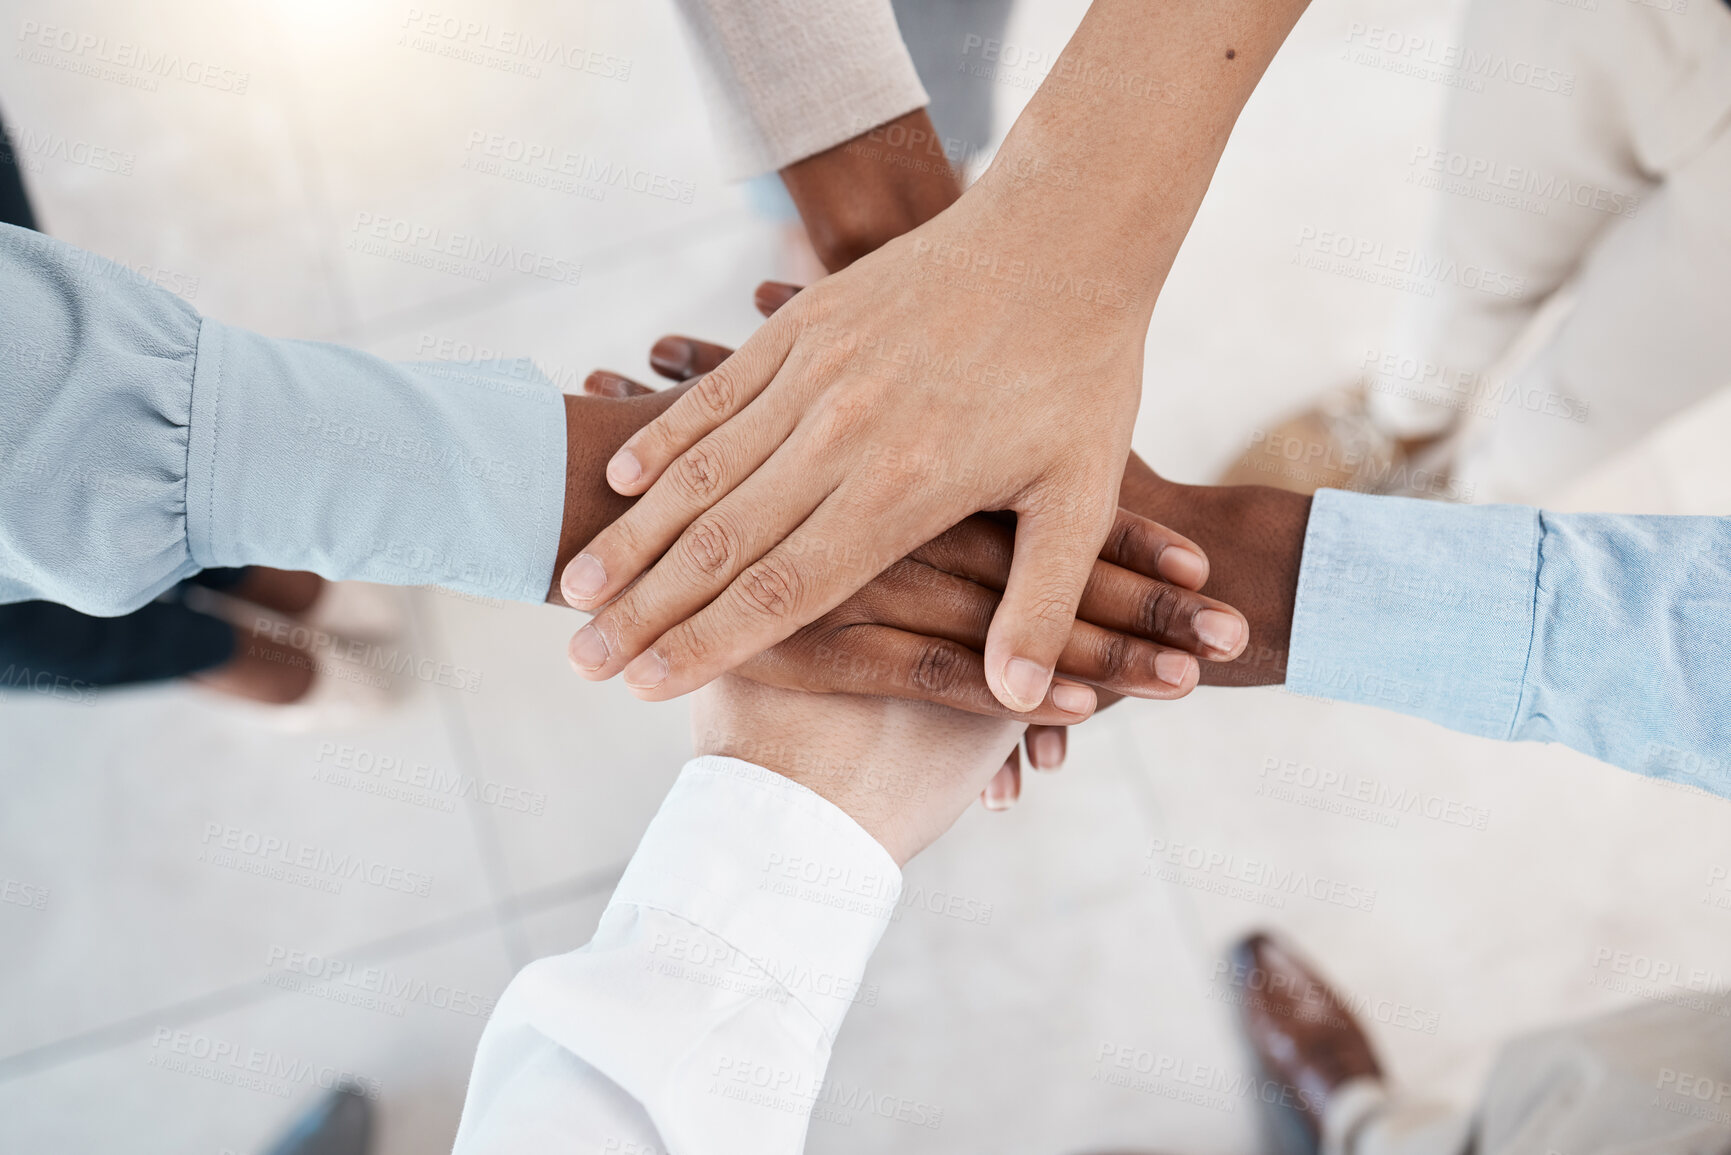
(1607, 633)
(142, 443)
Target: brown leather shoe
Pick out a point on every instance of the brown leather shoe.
(1304, 1036)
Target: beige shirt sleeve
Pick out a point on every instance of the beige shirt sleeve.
(789, 78)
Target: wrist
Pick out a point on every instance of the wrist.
(867, 191)
(595, 428)
(1254, 539)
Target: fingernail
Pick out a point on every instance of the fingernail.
(671, 356)
(1072, 699)
(1025, 683)
(589, 648)
(624, 469)
(1182, 567)
(1048, 751)
(584, 578)
(1172, 667)
(604, 384)
(647, 672)
(1000, 792)
(772, 295)
(1220, 631)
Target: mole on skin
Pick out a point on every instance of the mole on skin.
(1231, 53)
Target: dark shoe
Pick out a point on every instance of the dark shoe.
(341, 1124)
(1305, 1038)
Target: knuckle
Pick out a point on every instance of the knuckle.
(771, 587)
(1114, 655)
(709, 546)
(843, 418)
(1052, 608)
(715, 391)
(939, 669)
(700, 470)
(1158, 611)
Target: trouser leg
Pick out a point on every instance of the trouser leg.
(1648, 335)
(1528, 180)
(1366, 1118)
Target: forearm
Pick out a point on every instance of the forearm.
(697, 984)
(143, 444)
(1111, 158)
(871, 189)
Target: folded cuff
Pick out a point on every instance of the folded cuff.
(307, 456)
(776, 871)
(1418, 607)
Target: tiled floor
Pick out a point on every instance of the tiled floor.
(151, 940)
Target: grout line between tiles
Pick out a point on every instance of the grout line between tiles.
(439, 933)
(461, 736)
(641, 249)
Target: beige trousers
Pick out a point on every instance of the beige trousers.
(1654, 1079)
(1587, 145)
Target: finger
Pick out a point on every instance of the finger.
(772, 295)
(921, 600)
(718, 395)
(603, 383)
(702, 562)
(1006, 785)
(815, 568)
(1115, 598)
(1147, 547)
(682, 358)
(888, 663)
(1055, 552)
(1046, 746)
(703, 476)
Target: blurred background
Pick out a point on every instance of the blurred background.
(499, 806)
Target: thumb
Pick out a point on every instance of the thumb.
(1057, 543)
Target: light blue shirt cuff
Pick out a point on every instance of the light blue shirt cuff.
(1418, 607)
(315, 457)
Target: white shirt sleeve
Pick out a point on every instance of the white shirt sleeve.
(701, 1016)
(785, 79)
